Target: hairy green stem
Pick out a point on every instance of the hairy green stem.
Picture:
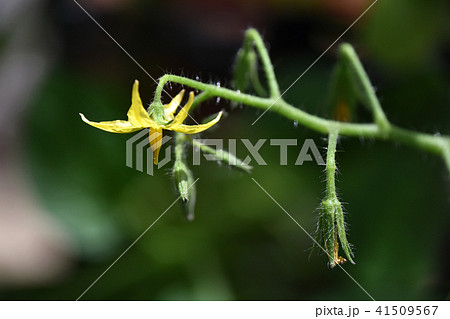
(331, 164)
(426, 142)
(279, 106)
(348, 55)
(179, 142)
(253, 36)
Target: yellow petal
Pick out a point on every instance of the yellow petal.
(137, 115)
(155, 137)
(181, 116)
(170, 108)
(113, 126)
(192, 129)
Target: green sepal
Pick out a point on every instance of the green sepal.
(331, 226)
(340, 225)
(325, 231)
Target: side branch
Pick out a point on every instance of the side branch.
(351, 61)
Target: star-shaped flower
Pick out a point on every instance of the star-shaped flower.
(139, 118)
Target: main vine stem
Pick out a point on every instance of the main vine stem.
(381, 128)
(439, 145)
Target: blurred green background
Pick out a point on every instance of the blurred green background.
(240, 246)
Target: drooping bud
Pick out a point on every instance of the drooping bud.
(184, 179)
(343, 94)
(245, 64)
(331, 226)
(331, 231)
(185, 184)
(181, 176)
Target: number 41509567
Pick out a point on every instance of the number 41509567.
(407, 310)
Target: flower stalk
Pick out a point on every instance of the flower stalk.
(222, 156)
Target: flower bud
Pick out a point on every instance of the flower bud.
(184, 179)
(244, 66)
(331, 231)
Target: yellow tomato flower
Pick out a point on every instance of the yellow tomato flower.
(138, 119)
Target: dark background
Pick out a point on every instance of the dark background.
(70, 206)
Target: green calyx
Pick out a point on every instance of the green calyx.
(156, 111)
(331, 231)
